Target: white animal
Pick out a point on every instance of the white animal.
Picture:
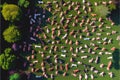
(56, 61)
(40, 2)
(108, 34)
(84, 57)
(80, 77)
(31, 38)
(110, 74)
(92, 76)
(48, 30)
(54, 2)
(101, 65)
(91, 60)
(96, 60)
(83, 1)
(96, 71)
(32, 20)
(50, 51)
(73, 65)
(35, 61)
(70, 15)
(108, 53)
(64, 36)
(99, 42)
(102, 74)
(104, 39)
(86, 38)
(76, 50)
(79, 62)
(100, 53)
(86, 76)
(37, 46)
(108, 27)
(109, 41)
(110, 57)
(98, 34)
(80, 47)
(93, 53)
(86, 46)
(82, 51)
(92, 68)
(63, 55)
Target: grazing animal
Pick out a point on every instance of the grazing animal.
(109, 65)
(86, 76)
(76, 71)
(74, 65)
(63, 55)
(92, 76)
(102, 74)
(80, 77)
(84, 57)
(110, 74)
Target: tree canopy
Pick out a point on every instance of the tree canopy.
(23, 3)
(15, 76)
(102, 10)
(6, 59)
(11, 12)
(12, 34)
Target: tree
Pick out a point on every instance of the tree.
(24, 3)
(6, 59)
(11, 12)
(102, 10)
(12, 34)
(15, 76)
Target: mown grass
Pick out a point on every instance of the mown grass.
(103, 58)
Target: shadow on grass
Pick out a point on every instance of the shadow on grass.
(33, 77)
(115, 16)
(116, 57)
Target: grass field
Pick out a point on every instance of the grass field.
(103, 58)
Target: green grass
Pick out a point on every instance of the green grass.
(102, 57)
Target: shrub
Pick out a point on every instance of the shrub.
(12, 34)
(23, 3)
(15, 76)
(11, 12)
(6, 59)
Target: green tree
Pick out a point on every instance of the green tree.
(11, 12)
(102, 10)
(15, 76)
(6, 59)
(23, 3)
(12, 34)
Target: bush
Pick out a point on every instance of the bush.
(23, 3)
(6, 59)
(12, 34)
(15, 76)
(102, 10)
(11, 12)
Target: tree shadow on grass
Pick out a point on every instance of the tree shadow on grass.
(21, 64)
(115, 16)
(33, 77)
(116, 57)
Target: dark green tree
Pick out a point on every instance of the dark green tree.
(12, 34)
(6, 59)
(15, 76)
(11, 12)
(102, 10)
(23, 3)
